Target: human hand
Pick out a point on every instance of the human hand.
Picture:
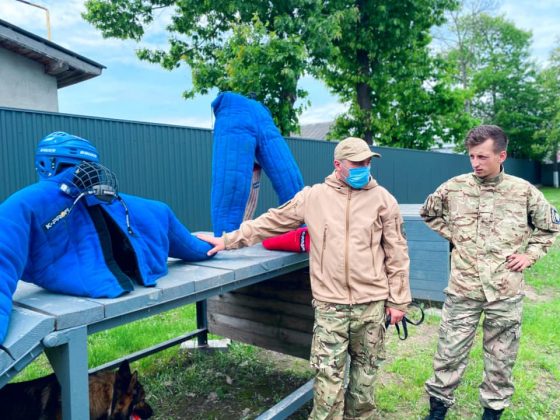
(395, 314)
(518, 262)
(212, 240)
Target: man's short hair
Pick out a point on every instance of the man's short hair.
(480, 134)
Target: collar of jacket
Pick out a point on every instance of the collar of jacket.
(490, 181)
(333, 182)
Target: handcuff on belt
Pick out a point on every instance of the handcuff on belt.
(405, 321)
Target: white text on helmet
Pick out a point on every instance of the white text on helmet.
(93, 155)
(47, 150)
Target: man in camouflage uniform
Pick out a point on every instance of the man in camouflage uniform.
(498, 226)
(359, 267)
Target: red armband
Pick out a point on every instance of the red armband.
(294, 241)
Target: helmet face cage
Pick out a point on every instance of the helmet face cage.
(95, 179)
(60, 150)
(92, 179)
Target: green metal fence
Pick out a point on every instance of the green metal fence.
(173, 163)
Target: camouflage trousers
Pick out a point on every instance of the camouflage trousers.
(357, 331)
(501, 331)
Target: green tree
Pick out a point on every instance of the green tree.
(255, 48)
(548, 135)
(491, 63)
(380, 64)
(372, 54)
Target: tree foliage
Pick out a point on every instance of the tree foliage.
(548, 135)
(257, 48)
(380, 64)
(491, 64)
(374, 55)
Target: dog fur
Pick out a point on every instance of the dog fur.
(112, 396)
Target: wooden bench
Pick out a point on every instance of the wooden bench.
(59, 324)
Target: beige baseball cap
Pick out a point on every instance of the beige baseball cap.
(353, 149)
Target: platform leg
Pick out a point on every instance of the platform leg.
(70, 363)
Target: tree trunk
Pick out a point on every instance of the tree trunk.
(284, 123)
(363, 91)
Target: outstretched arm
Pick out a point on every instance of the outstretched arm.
(217, 243)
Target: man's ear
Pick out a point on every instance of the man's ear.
(502, 156)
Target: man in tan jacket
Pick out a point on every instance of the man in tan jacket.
(359, 269)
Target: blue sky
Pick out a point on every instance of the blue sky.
(134, 90)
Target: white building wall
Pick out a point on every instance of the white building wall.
(24, 84)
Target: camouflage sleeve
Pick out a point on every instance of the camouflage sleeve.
(546, 224)
(435, 212)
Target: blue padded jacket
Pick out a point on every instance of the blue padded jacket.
(64, 254)
(244, 132)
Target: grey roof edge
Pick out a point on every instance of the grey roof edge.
(32, 46)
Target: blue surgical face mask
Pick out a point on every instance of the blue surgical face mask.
(358, 177)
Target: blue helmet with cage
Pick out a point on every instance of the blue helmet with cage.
(60, 150)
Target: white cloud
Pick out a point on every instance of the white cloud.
(322, 113)
(541, 18)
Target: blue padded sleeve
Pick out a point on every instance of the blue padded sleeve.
(277, 160)
(16, 217)
(233, 156)
(183, 244)
(244, 132)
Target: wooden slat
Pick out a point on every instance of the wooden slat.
(184, 279)
(294, 343)
(5, 361)
(68, 311)
(276, 305)
(279, 317)
(252, 261)
(275, 314)
(27, 329)
(141, 297)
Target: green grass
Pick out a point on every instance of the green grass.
(243, 382)
(536, 373)
(111, 344)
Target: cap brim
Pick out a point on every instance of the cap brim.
(363, 156)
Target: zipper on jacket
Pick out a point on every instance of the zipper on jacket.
(371, 250)
(324, 246)
(346, 246)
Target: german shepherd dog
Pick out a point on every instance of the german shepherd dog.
(112, 396)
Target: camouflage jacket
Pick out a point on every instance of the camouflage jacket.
(487, 220)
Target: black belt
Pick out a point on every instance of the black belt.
(406, 320)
